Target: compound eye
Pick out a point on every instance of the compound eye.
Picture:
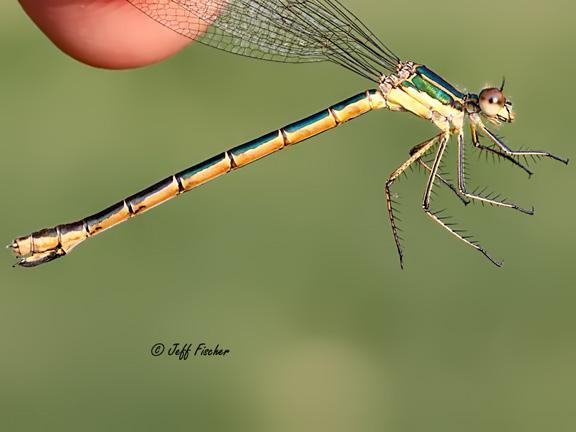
(491, 101)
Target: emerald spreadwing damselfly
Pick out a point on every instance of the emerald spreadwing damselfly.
(295, 31)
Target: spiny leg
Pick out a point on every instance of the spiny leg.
(521, 153)
(445, 182)
(490, 199)
(496, 152)
(416, 154)
(435, 215)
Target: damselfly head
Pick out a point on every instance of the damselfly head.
(495, 107)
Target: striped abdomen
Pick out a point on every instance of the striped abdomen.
(51, 243)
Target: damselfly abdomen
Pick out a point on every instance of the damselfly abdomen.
(295, 31)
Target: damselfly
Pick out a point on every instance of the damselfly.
(295, 31)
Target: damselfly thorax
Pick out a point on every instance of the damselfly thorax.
(417, 89)
(295, 31)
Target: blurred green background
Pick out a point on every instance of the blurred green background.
(288, 263)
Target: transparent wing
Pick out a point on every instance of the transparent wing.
(290, 31)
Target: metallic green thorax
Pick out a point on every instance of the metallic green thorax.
(435, 86)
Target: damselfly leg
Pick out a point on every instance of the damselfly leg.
(492, 199)
(418, 152)
(495, 152)
(440, 219)
(514, 153)
(445, 182)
